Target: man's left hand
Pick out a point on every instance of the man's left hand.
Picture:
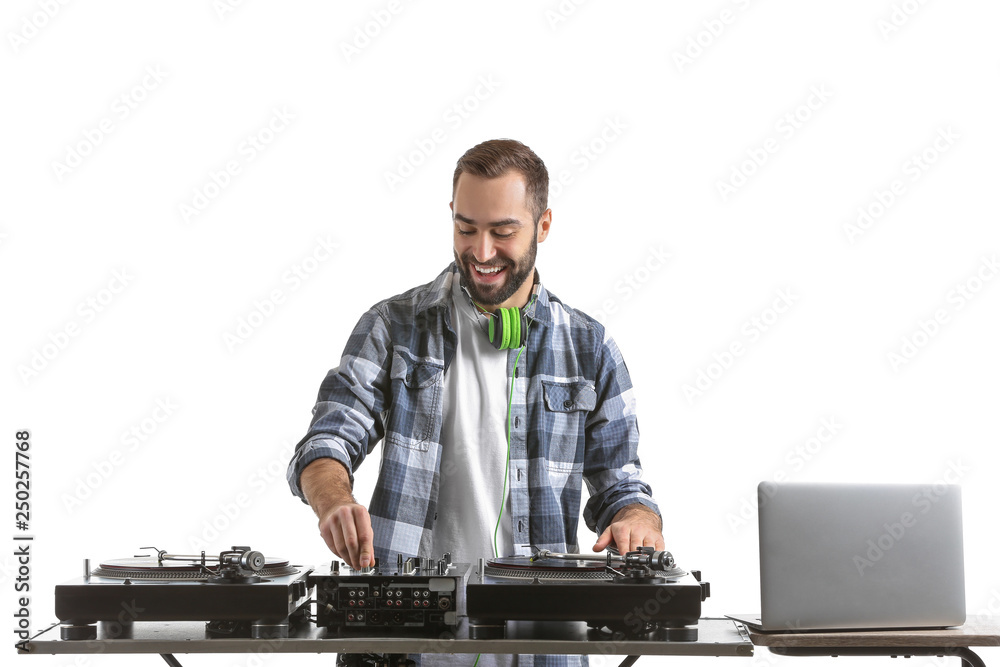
(633, 526)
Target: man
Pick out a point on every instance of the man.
(484, 449)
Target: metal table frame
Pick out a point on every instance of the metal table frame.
(716, 637)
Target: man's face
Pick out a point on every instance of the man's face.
(496, 238)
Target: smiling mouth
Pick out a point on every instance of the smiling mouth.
(488, 273)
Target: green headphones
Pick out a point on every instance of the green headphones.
(507, 328)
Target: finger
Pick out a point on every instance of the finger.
(636, 540)
(349, 537)
(326, 531)
(641, 536)
(603, 540)
(339, 547)
(329, 541)
(622, 534)
(660, 545)
(363, 525)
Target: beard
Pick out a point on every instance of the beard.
(518, 270)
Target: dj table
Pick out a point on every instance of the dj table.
(374, 618)
(716, 637)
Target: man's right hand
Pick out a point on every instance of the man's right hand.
(345, 525)
(347, 530)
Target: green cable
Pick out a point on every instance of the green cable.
(506, 468)
(510, 399)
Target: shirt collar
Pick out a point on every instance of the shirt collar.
(439, 294)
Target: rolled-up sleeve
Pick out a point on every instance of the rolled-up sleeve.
(347, 419)
(611, 461)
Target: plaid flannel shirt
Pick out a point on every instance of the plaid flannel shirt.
(572, 419)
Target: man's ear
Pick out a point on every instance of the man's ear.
(544, 223)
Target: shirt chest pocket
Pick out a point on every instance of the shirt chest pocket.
(415, 416)
(567, 405)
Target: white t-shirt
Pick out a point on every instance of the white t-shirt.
(474, 444)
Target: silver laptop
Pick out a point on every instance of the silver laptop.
(859, 556)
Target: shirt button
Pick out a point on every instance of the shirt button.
(520, 526)
(407, 378)
(517, 421)
(566, 404)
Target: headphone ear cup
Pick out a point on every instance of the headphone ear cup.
(505, 333)
(515, 334)
(494, 338)
(506, 328)
(499, 329)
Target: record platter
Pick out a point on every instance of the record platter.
(239, 593)
(639, 594)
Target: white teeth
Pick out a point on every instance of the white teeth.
(488, 269)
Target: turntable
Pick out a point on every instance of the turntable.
(239, 593)
(641, 594)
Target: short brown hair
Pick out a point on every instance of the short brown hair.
(496, 157)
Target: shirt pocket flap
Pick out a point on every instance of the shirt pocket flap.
(569, 396)
(415, 374)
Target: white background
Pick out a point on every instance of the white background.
(661, 133)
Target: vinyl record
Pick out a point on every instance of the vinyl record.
(148, 567)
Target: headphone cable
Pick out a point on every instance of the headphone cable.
(510, 401)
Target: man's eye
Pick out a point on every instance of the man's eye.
(503, 236)
(465, 233)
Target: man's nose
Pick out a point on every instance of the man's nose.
(484, 249)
